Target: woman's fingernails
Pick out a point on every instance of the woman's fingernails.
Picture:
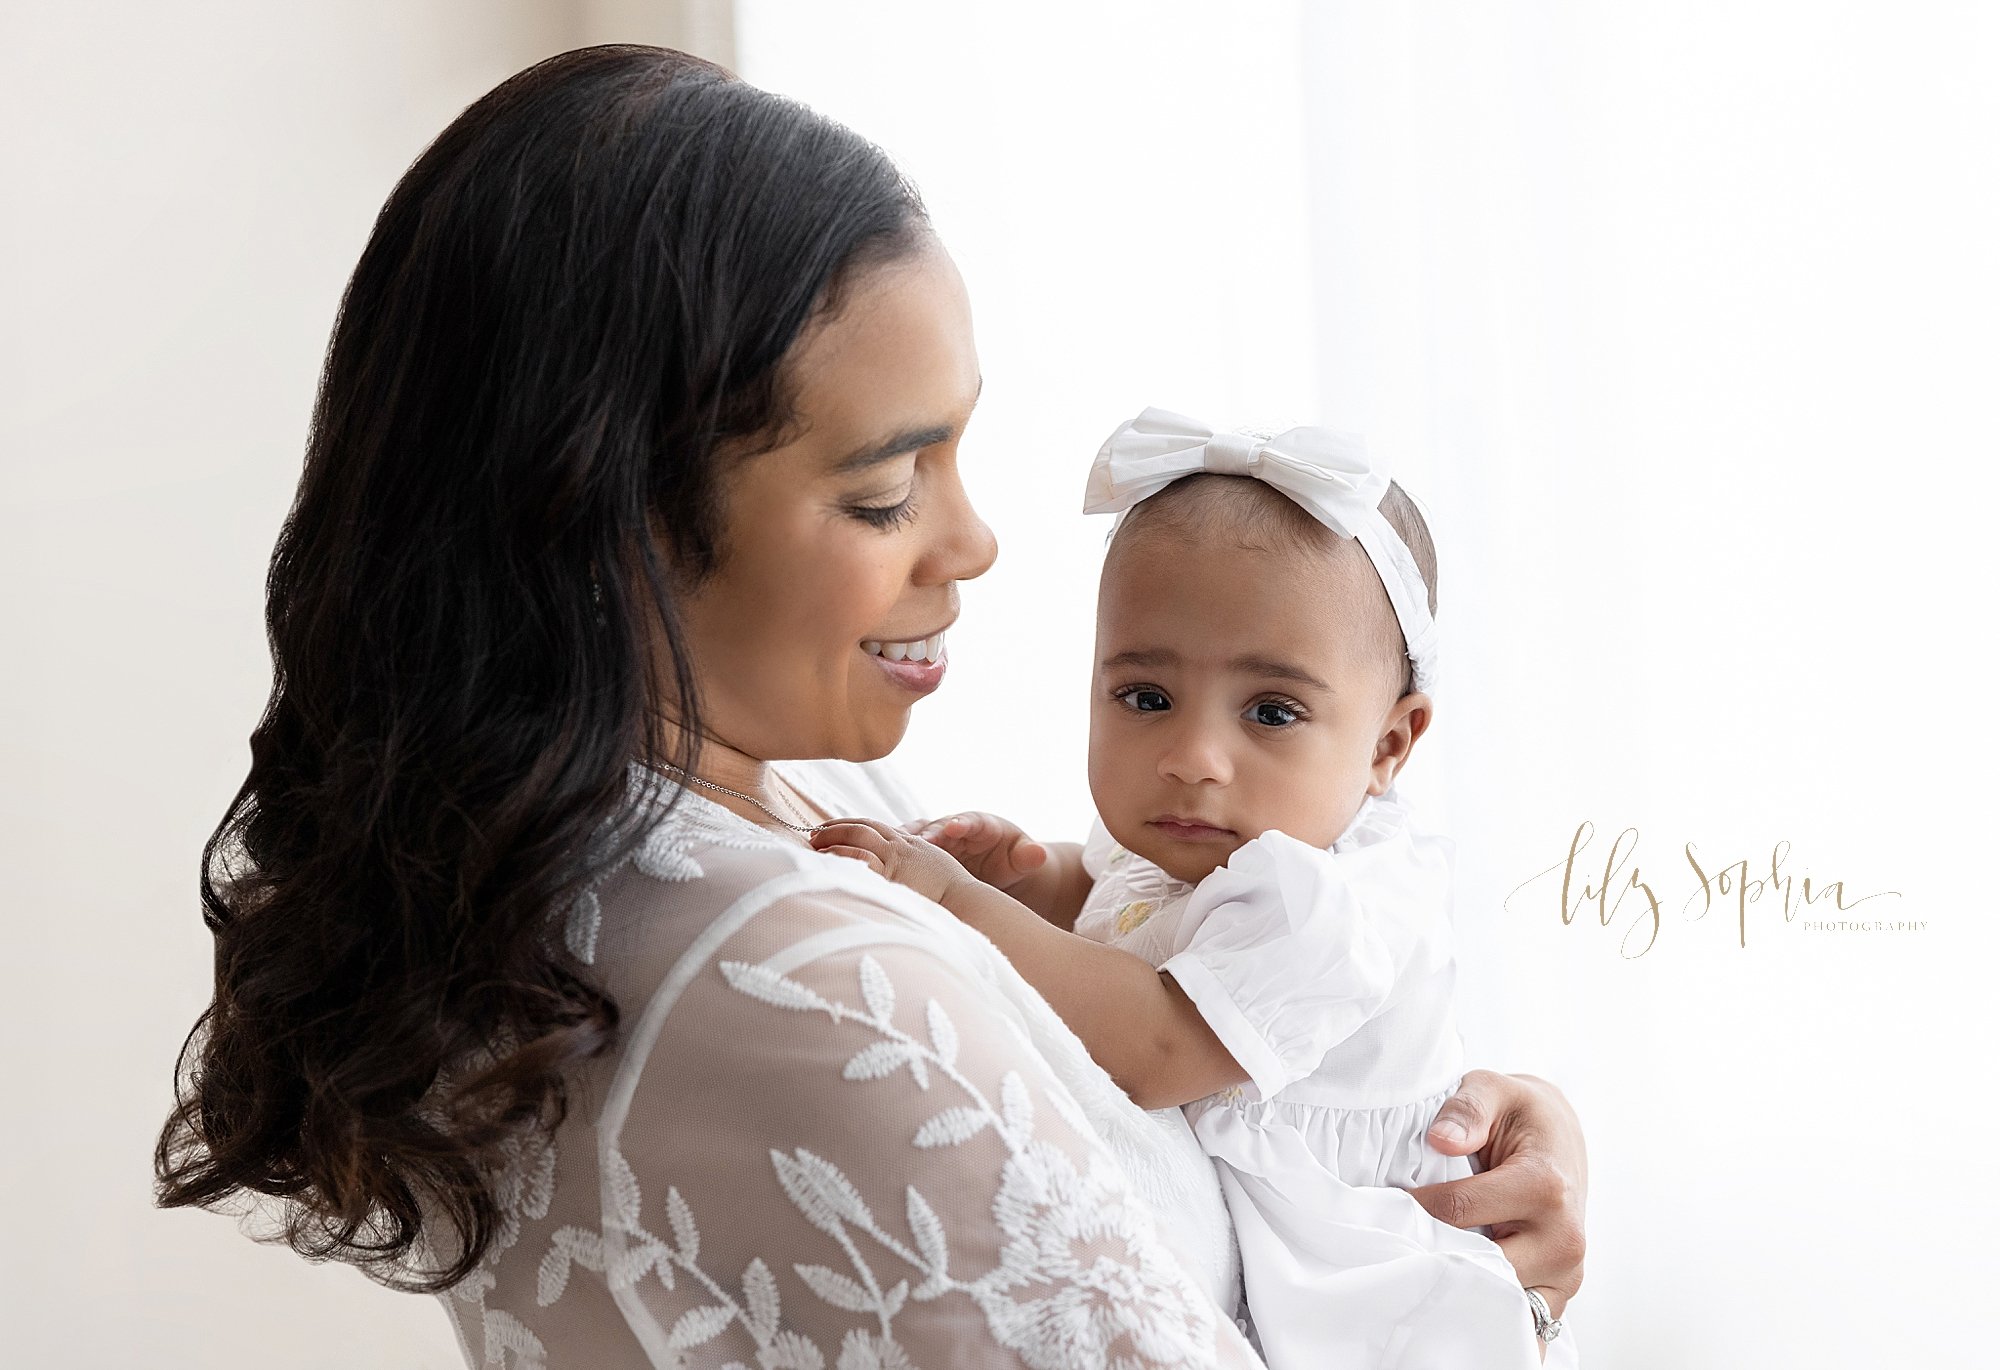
(1449, 1131)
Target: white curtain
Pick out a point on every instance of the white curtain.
(1684, 316)
(1679, 321)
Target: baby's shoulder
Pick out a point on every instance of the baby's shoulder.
(1288, 885)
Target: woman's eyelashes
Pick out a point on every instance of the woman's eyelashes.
(887, 516)
(884, 515)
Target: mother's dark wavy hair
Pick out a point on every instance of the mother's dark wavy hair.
(572, 307)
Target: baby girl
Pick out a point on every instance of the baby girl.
(1255, 932)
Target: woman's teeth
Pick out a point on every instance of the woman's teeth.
(924, 649)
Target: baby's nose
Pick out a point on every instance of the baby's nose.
(1196, 757)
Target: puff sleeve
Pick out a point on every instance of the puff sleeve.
(1284, 954)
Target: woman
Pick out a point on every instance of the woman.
(637, 438)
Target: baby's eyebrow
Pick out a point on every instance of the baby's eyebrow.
(1269, 668)
(1150, 656)
(1273, 669)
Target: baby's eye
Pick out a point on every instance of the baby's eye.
(1144, 698)
(1273, 714)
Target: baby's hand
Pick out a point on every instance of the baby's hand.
(902, 857)
(990, 847)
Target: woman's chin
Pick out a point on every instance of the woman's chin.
(879, 735)
(875, 751)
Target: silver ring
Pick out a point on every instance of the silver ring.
(1547, 1325)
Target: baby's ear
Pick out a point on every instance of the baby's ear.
(1409, 718)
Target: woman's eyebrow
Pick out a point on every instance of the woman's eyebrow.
(910, 440)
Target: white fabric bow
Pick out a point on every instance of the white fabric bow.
(1325, 472)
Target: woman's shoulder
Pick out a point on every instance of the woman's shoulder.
(692, 858)
(699, 875)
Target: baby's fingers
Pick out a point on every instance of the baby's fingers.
(861, 854)
(951, 828)
(848, 836)
(1029, 855)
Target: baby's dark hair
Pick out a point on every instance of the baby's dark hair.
(1262, 518)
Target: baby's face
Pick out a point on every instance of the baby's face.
(1236, 691)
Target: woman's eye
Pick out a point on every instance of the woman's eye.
(1273, 715)
(1144, 699)
(884, 515)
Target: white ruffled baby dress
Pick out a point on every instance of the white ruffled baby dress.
(1328, 975)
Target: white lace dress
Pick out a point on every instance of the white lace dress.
(839, 1130)
(1328, 974)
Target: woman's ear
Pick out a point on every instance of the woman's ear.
(1408, 719)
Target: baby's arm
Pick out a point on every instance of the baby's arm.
(1135, 1021)
(1046, 876)
(1056, 890)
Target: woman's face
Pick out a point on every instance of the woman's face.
(843, 549)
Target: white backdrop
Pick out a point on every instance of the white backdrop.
(1679, 321)
(187, 187)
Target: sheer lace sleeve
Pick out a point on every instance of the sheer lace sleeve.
(833, 1145)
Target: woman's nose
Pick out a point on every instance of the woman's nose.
(966, 547)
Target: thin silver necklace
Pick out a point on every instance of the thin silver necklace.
(668, 767)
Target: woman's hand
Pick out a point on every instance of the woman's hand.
(1531, 1189)
(994, 850)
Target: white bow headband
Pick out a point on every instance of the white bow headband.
(1326, 473)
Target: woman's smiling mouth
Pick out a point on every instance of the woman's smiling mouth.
(916, 665)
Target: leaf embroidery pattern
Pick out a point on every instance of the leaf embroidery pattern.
(1080, 1271)
(524, 1188)
(1058, 1297)
(666, 853)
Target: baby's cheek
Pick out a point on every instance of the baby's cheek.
(1108, 773)
(1318, 811)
